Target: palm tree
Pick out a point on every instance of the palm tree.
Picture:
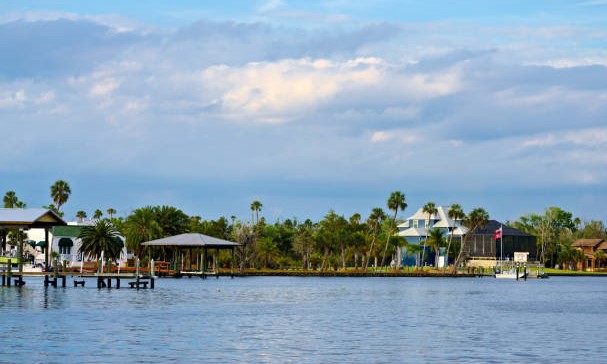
(374, 221)
(172, 220)
(436, 239)
(139, 227)
(395, 202)
(255, 208)
(476, 218)
(81, 215)
(111, 211)
(98, 238)
(60, 192)
(455, 213)
(10, 200)
(430, 209)
(97, 215)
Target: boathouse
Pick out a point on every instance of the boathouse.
(192, 253)
(25, 219)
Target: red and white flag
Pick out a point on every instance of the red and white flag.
(498, 233)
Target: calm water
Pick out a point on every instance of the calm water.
(311, 320)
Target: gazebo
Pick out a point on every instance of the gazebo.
(192, 242)
(25, 219)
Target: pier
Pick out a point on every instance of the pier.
(59, 279)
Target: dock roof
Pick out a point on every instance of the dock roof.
(29, 218)
(192, 240)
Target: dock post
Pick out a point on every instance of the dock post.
(3, 279)
(45, 280)
(56, 272)
(109, 283)
(117, 283)
(137, 278)
(152, 282)
(63, 281)
(10, 274)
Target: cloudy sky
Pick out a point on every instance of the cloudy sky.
(306, 106)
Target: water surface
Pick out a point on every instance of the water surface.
(306, 319)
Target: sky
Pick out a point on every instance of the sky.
(306, 106)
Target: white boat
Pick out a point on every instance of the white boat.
(506, 274)
(511, 272)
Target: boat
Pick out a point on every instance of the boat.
(506, 274)
(511, 272)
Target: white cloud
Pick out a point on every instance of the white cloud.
(12, 99)
(104, 88)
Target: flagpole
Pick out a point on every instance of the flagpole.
(501, 243)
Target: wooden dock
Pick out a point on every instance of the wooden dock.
(56, 279)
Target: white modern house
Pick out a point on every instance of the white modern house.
(416, 230)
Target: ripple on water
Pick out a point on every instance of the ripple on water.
(295, 319)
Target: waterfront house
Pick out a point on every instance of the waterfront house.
(590, 247)
(481, 244)
(64, 241)
(416, 229)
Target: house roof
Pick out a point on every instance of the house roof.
(29, 218)
(191, 240)
(459, 231)
(442, 216)
(413, 232)
(493, 225)
(586, 242)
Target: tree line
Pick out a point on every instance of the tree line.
(334, 242)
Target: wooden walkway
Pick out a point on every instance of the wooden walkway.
(56, 279)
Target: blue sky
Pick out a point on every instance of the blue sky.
(306, 105)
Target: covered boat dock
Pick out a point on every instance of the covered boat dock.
(197, 262)
(25, 219)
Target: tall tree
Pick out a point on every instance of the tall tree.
(111, 211)
(395, 202)
(255, 208)
(60, 193)
(97, 215)
(331, 235)
(303, 242)
(139, 227)
(172, 220)
(10, 199)
(98, 238)
(430, 209)
(81, 215)
(374, 221)
(476, 218)
(436, 239)
(455, 213)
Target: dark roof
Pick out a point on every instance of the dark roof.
(493, 225)
(586, 242)
(29, 218)
(192, 240)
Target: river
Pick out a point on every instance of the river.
(308, 320)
